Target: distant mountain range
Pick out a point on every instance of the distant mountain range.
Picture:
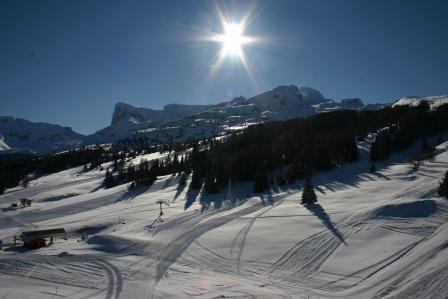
(20, 135)
(177, 122)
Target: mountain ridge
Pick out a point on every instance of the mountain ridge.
(177, 122)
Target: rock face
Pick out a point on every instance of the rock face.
(286, 102)
(25, 136)
(170, 112)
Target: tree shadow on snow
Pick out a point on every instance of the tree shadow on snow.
(180, 188)
(351, 175)
(190, 197)
(131, 194)
(168, 181)
(318, 211)
(320, 189)
(416, 209)
(267, 198)
(97, 188)
(382, 176)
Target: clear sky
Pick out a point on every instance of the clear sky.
(69, 62)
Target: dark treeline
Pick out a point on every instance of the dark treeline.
(16, 168)
(418, 122)
(283, 152)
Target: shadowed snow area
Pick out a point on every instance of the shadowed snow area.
(377, 235)
(416, 209)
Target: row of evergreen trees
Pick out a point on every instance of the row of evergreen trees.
(15, 168)
(418, 122)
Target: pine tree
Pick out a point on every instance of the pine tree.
(210, 182)
(425, 147)
(261, 180)
(443, 188)
(280, 179)
(109, 180)
(308, 194)
(183, 179)
(323, 159)
(222, 175)
(131, 173)
(210, 185)
(351, 150)
(196, 179)
(381, 148)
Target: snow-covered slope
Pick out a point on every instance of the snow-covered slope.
(377, 235)
(433, 101)
(3, 145)
(22, 135)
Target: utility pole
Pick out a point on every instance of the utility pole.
(160, 202)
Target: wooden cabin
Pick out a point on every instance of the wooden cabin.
(38, 238)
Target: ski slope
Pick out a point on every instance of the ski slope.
(380, 235)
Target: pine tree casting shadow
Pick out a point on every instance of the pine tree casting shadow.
(318, 211)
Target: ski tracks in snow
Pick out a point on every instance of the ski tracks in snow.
(237, 246)
(87, 273)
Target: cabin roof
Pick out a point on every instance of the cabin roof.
(43, 233)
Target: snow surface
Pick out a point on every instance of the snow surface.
(377, 235)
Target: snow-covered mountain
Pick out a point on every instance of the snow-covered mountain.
(177, 122)
(280, 103)
(20, 135)
(433, 101)
(3, 145)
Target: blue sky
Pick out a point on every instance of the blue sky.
(69, 62)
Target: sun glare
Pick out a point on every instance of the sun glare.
(232, 39)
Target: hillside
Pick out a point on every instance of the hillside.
(20, 135)
(370, 235)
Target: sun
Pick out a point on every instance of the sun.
(232, 39)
